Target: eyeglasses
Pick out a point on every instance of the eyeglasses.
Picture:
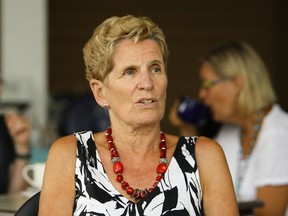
(206, 84)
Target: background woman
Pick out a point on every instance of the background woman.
(237, 88)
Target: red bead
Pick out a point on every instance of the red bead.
(114, 153)
(162, 145)
(109, 130)
(161, 168)
(159, 177)
(162, 136)
(163, 153)
(150, 190)
(136, 193)
(155, 184)
(111, 145)
(118, 167)
(130, 191)
(143, 194)
(119, 178)
(124, 185)
(109, 138)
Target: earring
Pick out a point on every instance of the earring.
(105, 105)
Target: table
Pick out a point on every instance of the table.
(246, 206)
(6, 214)
(10, 203)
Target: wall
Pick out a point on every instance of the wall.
(24, 55)
(191, 28)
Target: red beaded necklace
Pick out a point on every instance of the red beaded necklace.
(118, 166)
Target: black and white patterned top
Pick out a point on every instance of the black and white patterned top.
(178, 193)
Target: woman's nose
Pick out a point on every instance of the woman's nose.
(202, 93)
(145, 81)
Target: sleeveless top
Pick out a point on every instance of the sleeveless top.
(178, 193)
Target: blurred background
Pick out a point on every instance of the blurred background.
(42, 41)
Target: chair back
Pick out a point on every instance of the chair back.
(84, 114)
(30, 207)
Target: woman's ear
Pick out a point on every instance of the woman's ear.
(97, 88)
(239, 82)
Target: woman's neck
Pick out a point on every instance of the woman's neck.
(251, 126)
(138, 140)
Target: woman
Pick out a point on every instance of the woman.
(118, 171)
(14, 151)
(237, 88)
(15, 133)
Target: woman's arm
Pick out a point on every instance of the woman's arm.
(19, 129)
(217, 187)
(272, 171)
(275, 199)
(16, 181)
(58, 189)
(184, 128)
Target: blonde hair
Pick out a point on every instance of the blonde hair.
(99, 48)
(240, 59)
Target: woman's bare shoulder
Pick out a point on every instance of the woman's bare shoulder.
(215, 178)
(58, 188)
(64, 146)
(61, 161)
(64, 142)
(207, 147)
(210, 159)
(209, 154)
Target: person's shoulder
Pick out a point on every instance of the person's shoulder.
(277, 117)
(207, 148)
(64, 144)
(211, 161)
(275, 124)
(62, 153)
(207, 144)
(65, 140)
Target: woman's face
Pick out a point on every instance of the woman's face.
(135, 89)
(220, 95)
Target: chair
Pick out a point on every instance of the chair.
(246, 207)
(30, 207)
(84, 114)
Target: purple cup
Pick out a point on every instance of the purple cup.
(193, 111)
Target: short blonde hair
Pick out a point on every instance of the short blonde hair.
(239, 58)
(100, 47)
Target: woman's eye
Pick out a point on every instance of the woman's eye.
(129, 72)
(156, 69)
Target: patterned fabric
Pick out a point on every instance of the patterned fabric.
(178, 193)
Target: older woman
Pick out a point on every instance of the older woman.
(133, 168)
(237, 88)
